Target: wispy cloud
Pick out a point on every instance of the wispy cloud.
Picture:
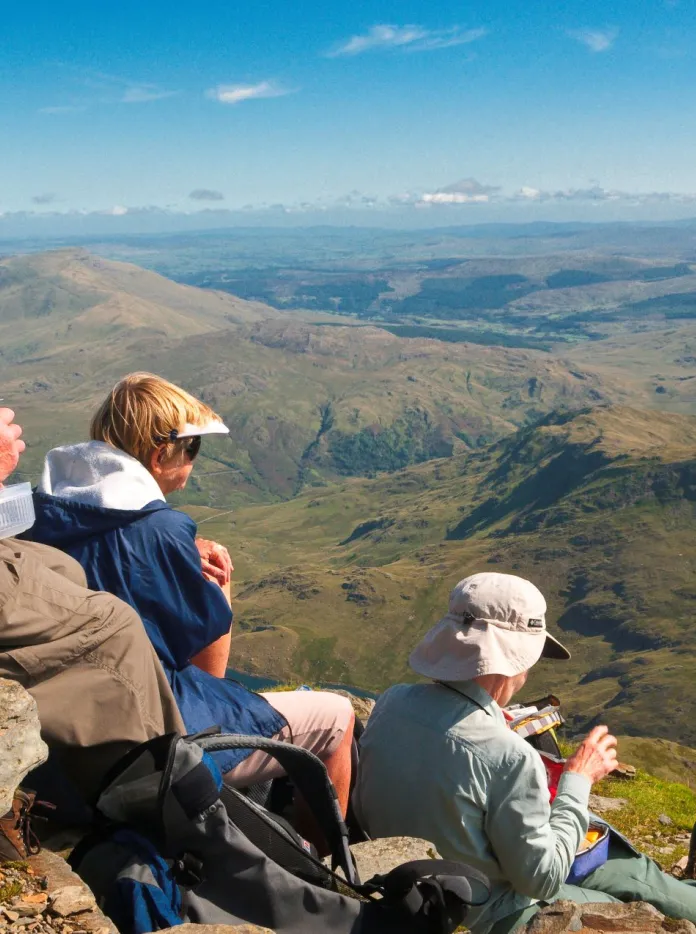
(206, 194)
(63, 109)
(407, 38)
(100, 88)
(48, 197)
(143, 94)
(596, 40)
(236, 93)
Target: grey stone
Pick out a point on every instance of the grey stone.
(381, 856)
(679, 867)
(620, 916)
(71, 900)
(217, 929)
(600, 803)
(21, 746)
(665, 820)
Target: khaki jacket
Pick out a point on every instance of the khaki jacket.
(86, 659)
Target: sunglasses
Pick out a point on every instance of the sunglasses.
(191, 447)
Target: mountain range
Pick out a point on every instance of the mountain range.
(366, 473)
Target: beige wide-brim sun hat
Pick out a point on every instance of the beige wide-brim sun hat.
(496, 624)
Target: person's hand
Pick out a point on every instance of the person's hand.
(11, 445)
(595, 757)
(215, 561)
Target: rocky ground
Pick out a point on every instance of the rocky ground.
(42, 896)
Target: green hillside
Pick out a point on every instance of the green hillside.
(404, 464)
(305, 403)
(598, 508)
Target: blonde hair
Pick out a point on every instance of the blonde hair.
(142, 411)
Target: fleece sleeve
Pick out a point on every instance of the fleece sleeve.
(190, 611)
(534, 842)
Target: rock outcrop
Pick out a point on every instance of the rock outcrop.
(21, 746)
(44, 896)
(618, 917)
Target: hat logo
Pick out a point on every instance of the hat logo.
(535, 624)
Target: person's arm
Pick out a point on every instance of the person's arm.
(535, 843)
(193, 613)
(215, 658)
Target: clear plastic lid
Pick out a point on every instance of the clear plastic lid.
(16, 509)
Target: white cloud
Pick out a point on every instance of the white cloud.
(466, 191)
(527, 193)
(453, 197)
(236, 93)
(596, 40)
(409, 38)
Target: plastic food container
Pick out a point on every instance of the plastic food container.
(16, 509)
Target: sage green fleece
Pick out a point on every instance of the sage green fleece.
(444, 766)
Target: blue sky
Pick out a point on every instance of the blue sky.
(447, 112)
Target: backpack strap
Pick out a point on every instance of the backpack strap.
(309, 775)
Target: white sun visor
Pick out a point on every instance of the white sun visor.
(209, 428)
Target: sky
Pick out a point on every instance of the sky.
(394, 112)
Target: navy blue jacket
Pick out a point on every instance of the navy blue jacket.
(148, 558)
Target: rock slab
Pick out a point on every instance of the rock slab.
(21, 746)
(378, 857)
(605, 917)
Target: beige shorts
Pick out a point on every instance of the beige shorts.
(317, 720)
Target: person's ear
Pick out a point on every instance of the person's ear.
(156, 459)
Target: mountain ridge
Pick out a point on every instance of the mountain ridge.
(276, 378)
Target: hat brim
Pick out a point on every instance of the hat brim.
(555, 649)
(210, 428)
(451, 652)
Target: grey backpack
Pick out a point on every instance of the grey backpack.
(176, 844)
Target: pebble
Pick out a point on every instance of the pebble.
(665, 820)
(71, 900)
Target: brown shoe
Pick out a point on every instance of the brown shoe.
(17, 839)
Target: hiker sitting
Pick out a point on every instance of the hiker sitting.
(83, 656)
(103, 502)
(438, 761)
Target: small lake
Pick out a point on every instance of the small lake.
(258, 683)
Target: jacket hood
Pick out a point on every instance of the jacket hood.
(96, 474)
(88, 489)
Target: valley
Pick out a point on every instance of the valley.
(513, 403)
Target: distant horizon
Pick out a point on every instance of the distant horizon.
(74, 229)
(376, 112)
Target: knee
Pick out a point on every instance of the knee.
(339, 709)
